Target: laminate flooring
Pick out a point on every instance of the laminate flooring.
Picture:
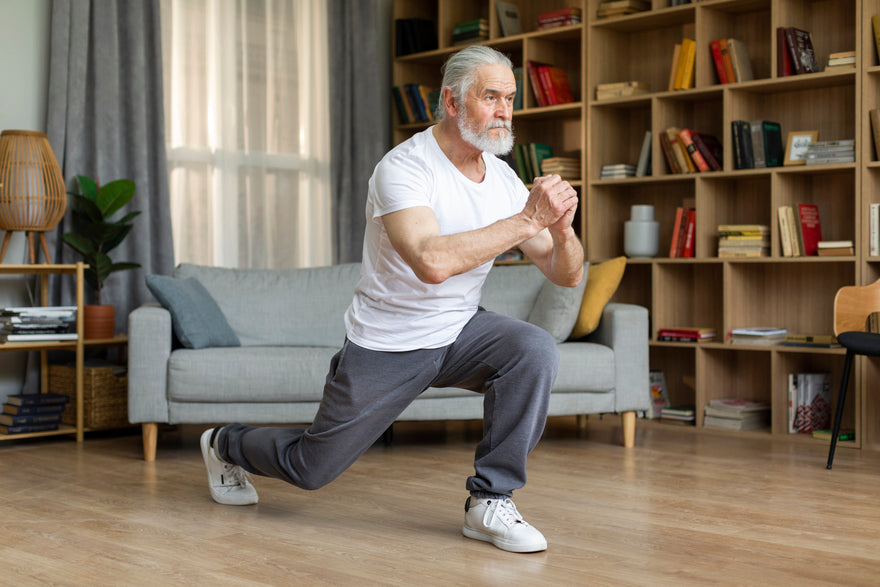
(678, 509)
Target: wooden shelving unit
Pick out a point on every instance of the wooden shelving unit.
(796, 293)
(78, 345)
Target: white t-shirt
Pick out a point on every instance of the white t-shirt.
(392, 309)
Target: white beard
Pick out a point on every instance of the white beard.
(482, 140)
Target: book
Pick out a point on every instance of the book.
(784, 66)
(557, 80)
(811, 340)
(737, 406)
(37, 399)
(537, 153)
(643, 168)
(522, 167)
(687, 413)
(826, 434)
(535, 82)
(757, 335)
(508, 18)
(26, 428)
(813, 408)
(686, 334)
(810, 228)
(774, 149)
(736, 414)
(621, 89)
(752, 423)
(679, 151)
(678, 229)
(874, 229)
(797, 239)
(727, 60)
(685, 73)
(757, 141)
(673, 70)
(800, 47)
(785, 236)
(666, 147)
(718, 60)
(710, 147)
(835, 248)
(32, 410)
(686, 136)
(689, 235)
(739, 56)
(659, 394)
(28, 419)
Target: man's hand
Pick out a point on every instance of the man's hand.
(552, 203)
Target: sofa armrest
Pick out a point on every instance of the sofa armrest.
(624, 328)
(149, 348)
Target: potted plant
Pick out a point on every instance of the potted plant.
(93, 236)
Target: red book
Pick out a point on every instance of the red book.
(687, 140)
(715, 46)
(535, 82)
(690, 229)
(783, 57)
(725, 59)
(550, 97)
(559, 84)
(811, 228)
(667, 152)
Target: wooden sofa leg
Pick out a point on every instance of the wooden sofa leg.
(628, 420)
(150, 431)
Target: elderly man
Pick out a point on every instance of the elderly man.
(441, 206)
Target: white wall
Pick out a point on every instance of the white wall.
(24, 81)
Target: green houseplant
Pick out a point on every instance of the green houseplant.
(95, 234)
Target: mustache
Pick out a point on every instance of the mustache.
(500, 124)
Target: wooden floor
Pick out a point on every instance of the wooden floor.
(678, 509)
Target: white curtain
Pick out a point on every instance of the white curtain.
(247, 126)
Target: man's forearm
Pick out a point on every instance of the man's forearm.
(566, 258)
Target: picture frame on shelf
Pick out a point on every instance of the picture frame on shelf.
(797, 144)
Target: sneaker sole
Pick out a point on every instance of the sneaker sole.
(502, 543)
(205, 442)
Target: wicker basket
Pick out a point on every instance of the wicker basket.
(105, 395)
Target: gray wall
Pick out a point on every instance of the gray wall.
(24, 81)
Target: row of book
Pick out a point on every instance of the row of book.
(757, 144)
(748, 335)
(830, 152)
(415, 102)
(681, 75)
(529, 158)
(621, 89)
(736, 414)
(36, 412)
(39, 323)
(690, 151)
(559, 18)
(743, 240)
(731, 58)
(470, 31)
(550, 84)
(683, 233)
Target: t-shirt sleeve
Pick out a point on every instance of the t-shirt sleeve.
(401, 182)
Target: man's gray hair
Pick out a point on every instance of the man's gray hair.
(460, 72)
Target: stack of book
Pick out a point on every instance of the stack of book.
(36, 412)
(830, 152)
(617, 171)
(686, 334)
(736, 414)
(809, 402)
(564, 167)
(621, 89)
(470, 31)
(841, 60)
(758, 335)
(608, 8)
(27, 324)
(690, 151)
(835, 248)
(678, 415)
(558, 18)
(743, 240)
(731, 57)
(757, 144)
(549, 84)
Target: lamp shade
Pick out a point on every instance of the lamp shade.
(32, 191)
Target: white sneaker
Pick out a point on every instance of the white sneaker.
(229, 484)
(498, 521)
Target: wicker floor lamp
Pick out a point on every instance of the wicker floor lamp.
(32, 193)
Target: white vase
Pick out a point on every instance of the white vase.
(641, 233)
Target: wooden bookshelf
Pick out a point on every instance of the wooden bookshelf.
(793, 292)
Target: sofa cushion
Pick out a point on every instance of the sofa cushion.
(294, 307)
(197, 320)
(602, 282)
(248, 374)
(556, 309)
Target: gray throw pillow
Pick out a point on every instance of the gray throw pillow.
(556, 309)
(196, 318)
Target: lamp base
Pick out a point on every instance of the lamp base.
(31, 248)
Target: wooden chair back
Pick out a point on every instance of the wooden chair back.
(853, 304)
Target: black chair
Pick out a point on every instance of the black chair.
(853, 306)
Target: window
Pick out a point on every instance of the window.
(247, 127)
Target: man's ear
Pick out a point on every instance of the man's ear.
(449, 101)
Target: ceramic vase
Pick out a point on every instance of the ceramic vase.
(641, 232)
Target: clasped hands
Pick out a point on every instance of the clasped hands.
(552, 203)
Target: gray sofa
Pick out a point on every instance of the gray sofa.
(289, 324)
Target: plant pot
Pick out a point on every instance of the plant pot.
(98, 322)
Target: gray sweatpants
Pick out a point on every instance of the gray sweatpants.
(511, 362)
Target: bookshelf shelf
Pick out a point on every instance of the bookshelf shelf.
(725, 293)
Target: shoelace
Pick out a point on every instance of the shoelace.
(504, 510)
(235, 474)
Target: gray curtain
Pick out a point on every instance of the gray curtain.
(106, 120)
(360, 112)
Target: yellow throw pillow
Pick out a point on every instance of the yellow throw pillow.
(602, 282)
